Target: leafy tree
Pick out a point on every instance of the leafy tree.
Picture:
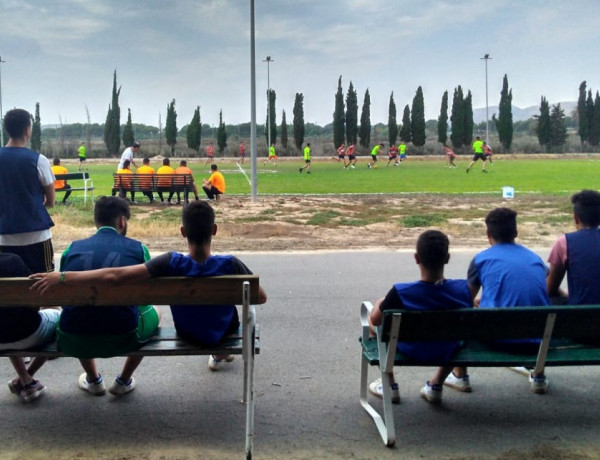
(36, 130)
(589, 115)
(417, 126)
(392, 123)
(299, 120)
(221, 134)
(584, 124)
(171, 126)
(457, 118)
(468, 118)
(194, 132)
(351, 115)
(558, 128)
(112, 126)
(364, 131)
(543, 126)
(338, 116)
(442, 126)
(272, 122)
(405, 133)
(128, 138)
(504, 122)
(595, 124)
(284, 133)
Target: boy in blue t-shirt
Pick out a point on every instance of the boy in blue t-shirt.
(200, 323)
(431, 292)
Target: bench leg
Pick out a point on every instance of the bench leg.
(249, 328)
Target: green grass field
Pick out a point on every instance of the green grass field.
(546, 176)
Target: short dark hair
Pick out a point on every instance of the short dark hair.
(183, 163)
(56, 161)
(166, 162)
(146, 160)
(136, 144)
(432, 249)
(586, 206)
(16, 122)
(126, 163)
(198, 219)
(109, 209)
(213, 167)
(502, 224)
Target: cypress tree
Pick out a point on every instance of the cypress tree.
(582, 113)
(298, 121)
(468, 119)
(504, 122)
(128, 137)
(272, 121)
(222, 134)
(405, 133)
(112, 126)
(595, 125)
(543, 126)
(284, 133)
(558, 128)
(36, 130)
(589, 114)
(364, 131)
(194, 132)
(417, 126)
(351, 115)
(171, 126)
(457, 118)
(392, 123)
(338, 116)
(442, 126)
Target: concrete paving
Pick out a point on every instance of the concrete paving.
(307, 378)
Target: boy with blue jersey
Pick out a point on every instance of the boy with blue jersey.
(431, 292)
(204, 324)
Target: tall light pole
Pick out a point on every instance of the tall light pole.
(253, 182)
(1, 113)
(486, 58)
(268, 61)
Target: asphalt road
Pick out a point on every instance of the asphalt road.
(307, 378)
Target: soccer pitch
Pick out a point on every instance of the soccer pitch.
(549, 175)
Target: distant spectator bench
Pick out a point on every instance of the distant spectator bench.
(227, 289)
(165, 183)
(574, 331)
(88, 185)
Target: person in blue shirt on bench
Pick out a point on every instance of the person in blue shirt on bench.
(431, 292)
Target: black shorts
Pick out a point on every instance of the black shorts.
(479, 156)
(374, 157)
(351, 157)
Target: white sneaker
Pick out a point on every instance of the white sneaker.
(432, 393)
(120, 387)
(376, 389)
(96, 388)
(458, 383)
(214, 363)
(539, 384)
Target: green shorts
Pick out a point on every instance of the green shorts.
(88, 346)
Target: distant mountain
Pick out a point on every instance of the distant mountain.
(520, 114)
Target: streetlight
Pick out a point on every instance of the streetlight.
(268, 61)
(1, 113)
(486, 57)
(254, 172)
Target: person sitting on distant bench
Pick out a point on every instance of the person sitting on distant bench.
(61, 184)
(215, 184)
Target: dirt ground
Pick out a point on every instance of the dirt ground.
(347, 222)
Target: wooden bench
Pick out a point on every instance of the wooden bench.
(567, 326)
(231, 289)
(88, 185)
(182, 183)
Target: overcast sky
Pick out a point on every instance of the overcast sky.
(62, 54)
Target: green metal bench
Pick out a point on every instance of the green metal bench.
(87, 187)
(567, 326)
(228, 289)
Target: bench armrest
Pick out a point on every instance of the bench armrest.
(365, 312)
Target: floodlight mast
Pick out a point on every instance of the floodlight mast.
(486, 58)
(253, 184)
(268, 60)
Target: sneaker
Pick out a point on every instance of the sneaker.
(458, 383)
(27, 359)
(120, 387)
(353, 167)
(300, 170)
(32, 391)
(307, 172)
(376, 389)
(484, 171)
(214, 363)
(468, 170)
(432, 393)
(539, 384)
(15, 386)
(96, 388)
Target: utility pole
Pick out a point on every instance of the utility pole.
(268, 61)
(1, 113)
(486, 58)
(253, 181)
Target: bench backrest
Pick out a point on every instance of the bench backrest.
(152, 180)
(574, 322)
(84, 175)
(226, 289)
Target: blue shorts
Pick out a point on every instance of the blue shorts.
(45, 332)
